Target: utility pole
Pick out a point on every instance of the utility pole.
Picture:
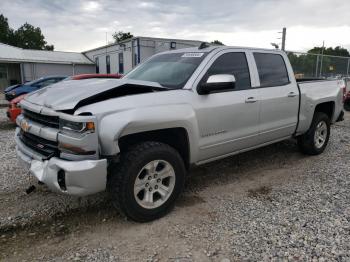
(321, 60)
(106, 45)
(284, 33)
(317, 62)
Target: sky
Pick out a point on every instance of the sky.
(77, 25)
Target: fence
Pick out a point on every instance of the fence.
(307, 65)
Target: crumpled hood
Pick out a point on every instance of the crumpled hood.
(66, 95)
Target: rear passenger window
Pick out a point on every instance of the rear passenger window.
(234, 64)
(272, 69)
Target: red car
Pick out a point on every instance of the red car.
(13, 110)
(347, 102)
(87, 76)
(347, 94)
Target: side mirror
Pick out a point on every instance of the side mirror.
(217, 83)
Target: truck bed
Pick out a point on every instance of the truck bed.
(314, 92)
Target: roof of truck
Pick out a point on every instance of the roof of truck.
(211, 48)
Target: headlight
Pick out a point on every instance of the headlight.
(79, 127)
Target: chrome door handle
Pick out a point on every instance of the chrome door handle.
(251, 100)
(292, 94)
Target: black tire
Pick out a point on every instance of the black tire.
(347, 105)
(306, 142)
(122, 177)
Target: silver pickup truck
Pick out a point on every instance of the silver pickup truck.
(138, 136)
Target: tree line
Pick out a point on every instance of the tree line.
(26, 36)
(312, 64)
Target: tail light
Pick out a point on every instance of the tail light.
(344, 91)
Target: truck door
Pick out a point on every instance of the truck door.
(228, 121)
(279, 97)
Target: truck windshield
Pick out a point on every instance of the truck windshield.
(170, 70)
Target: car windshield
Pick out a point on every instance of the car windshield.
(171, 70)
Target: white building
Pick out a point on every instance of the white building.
(123, 56)
(19, 65)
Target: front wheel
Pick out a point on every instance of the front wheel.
(315, 140)
(147, 181)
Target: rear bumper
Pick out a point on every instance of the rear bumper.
(79, 178)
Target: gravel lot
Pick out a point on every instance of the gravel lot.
(269, 204)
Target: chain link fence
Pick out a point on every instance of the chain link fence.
(308, 65)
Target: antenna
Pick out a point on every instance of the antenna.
(203, 45)
(275, 45)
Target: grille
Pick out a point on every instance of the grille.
(51, 121)
(45, 147)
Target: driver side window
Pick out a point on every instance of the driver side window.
(234, 64)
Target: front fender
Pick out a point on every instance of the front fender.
(133, 121)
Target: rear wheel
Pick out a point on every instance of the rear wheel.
(147, 181)
(315, 140)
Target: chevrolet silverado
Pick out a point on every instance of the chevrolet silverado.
(138, 136)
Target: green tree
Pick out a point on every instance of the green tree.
(49, 47)
(332, 65)
(337, 51)
(6, 33)
(27, 36)
(312, 64)
(304, 65)
(216, 42)
(30, 37)
(120, 36)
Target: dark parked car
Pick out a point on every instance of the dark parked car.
(14, 110)
(14, 91)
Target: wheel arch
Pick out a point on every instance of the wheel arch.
(176, 137)
(327, 108)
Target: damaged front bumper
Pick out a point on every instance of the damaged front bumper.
(79, 178)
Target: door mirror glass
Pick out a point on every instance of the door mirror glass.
(217, 83)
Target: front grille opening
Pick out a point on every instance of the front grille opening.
(61, 179)
(51, 121)
(44, 147)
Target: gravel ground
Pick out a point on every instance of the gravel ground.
(268, 204)
(3, 102)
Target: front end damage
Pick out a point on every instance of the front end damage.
(64, 159)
